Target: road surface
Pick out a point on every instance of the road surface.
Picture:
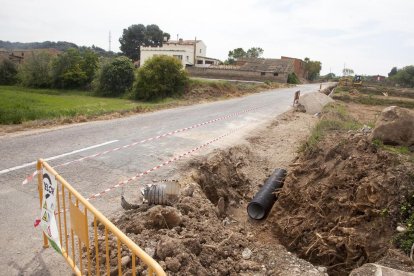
(153, 138)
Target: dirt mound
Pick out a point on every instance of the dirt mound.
(339, 206)
(222, 178)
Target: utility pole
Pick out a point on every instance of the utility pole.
(109, 49)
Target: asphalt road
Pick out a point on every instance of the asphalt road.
(21, 244)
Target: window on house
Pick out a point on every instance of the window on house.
(262, 74)
(199, 61)
(275, 74)
(180, 57)
(200, 51)
(188, 58)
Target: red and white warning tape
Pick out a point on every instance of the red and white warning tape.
(30, 177)
(122, 183)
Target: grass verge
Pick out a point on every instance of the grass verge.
(19, 104)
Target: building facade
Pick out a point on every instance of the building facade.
(252, 69)
(298, 66)
(189, 52)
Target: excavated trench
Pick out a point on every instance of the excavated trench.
(330, 211)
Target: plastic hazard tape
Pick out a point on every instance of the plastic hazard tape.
(30, 177)
(120, 184)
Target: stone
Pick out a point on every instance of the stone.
(125, 260)
(395, 126)
(173, 264)
(247, 253)
(322, 269)
(150, 251)
(314, 102)
(221, 206)
(401, 229)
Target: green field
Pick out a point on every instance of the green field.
(19, 104)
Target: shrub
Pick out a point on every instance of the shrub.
(73, 69)
(35, 71)
(115, 77)
(8, 72)
(405, 76)
(293, 79)
(160, 77)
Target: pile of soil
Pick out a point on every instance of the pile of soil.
(340, 204)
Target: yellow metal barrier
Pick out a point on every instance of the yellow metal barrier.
(75, 235)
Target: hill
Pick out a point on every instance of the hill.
(59, 45)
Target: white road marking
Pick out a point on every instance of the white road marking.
(56, 157)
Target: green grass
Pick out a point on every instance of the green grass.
(18, 104)
(335, 117)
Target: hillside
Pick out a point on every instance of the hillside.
(59, 45)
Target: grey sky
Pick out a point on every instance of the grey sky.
(368, 36)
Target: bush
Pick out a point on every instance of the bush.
(115, 77)
(35, 71)
(293, 79)
(73, 69)
(160, 77)
(405, 76)
(8, 72)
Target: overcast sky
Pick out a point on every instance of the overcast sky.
(368, 36)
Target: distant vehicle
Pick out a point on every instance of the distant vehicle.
(349, 81)
(357, 81)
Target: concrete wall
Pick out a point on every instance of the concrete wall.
(183, 51)
(234, 74)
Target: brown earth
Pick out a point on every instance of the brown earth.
(339, 207)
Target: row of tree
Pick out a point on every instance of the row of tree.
(403, 76)
(160, 77)
(240, 53)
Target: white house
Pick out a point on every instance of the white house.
(185, 50)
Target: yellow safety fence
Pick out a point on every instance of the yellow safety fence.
(76, 234)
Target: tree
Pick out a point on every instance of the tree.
(115, 77)
(254, 52)
(405, 76)
(239, 53)
(35, 71)
(393, 72)
(74, 69)
(89, 64)
(138, 35)
(8, 72)
(313, 68)
(160, 77)
(347, 72)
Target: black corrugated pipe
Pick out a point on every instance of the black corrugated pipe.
(263, 201)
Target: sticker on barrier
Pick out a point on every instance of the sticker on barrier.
(48, 221)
